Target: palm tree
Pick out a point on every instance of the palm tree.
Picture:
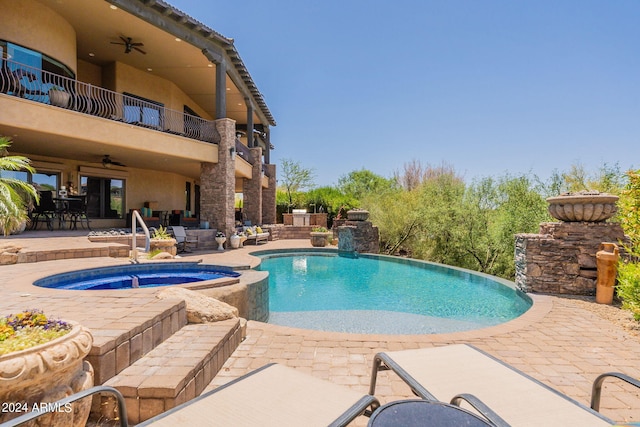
(15, 195)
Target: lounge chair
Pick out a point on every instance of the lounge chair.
(182, 240)
(444, 373)
(273, 395)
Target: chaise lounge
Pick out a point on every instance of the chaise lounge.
(454, 372)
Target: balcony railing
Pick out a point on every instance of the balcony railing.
(42, 86)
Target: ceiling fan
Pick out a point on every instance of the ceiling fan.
(129, 45)
(107, 162)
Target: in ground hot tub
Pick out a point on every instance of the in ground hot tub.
(142, 276)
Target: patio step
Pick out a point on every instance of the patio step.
(177, 370)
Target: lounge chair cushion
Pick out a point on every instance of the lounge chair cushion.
(275, 395)
(517, 398)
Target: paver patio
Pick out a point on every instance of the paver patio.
(557, 342)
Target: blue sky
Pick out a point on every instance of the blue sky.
(487, 86)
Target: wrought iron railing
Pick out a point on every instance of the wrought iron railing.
(243, 151)
(45, 87)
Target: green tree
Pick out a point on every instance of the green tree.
(294, 178)
(358, 184)
(15, 195)
(508, 206)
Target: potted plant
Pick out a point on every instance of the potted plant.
(320, 236)
(163, 241)
(220, 239)
(41, 361)
(59, 97)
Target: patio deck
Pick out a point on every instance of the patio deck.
(556, 342)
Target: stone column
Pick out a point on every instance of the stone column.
(269, 196)
(252, 188)
(217, 181)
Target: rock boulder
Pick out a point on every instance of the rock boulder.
(200, 308)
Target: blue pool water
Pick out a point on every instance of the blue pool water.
(146, 276)
(371, 294)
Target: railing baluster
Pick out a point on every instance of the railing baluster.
(34, 84)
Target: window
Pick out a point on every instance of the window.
(31, 64)
(42, 181)
(142, 111)
(105, 196)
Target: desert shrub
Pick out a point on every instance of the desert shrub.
(628, 288)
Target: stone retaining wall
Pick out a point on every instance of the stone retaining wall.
(561, 259)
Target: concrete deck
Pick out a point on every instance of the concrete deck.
(556, 341)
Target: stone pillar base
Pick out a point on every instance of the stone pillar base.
(562, 258)
(358, 236)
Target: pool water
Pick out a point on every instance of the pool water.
(370, 294)
(134, 276)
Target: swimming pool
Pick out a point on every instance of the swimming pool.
(136, 276)
(387, 295)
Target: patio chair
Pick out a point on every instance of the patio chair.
(182, 239)
(77, 210)
(457, 372)
(45, 210)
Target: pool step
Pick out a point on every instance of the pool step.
(121, 337)
(178, 369)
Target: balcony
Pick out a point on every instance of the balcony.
(44, 87)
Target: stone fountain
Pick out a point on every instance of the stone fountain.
(357, 234)
(561, 258)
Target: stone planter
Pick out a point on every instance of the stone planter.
(59, 98)
(585, 206)
(45, 374)
(164, 245)
(357, 215)
(320, 239)
(220, 241)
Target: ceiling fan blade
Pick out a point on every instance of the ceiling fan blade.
(140, 50)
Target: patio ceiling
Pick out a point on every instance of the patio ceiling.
(97, 24)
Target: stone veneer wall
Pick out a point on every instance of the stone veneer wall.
(358, 236)
(252, 188)
(217, 181)
(269, 196)
(561, 259)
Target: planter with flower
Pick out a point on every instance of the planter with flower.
(220, 239)
(163, 241)
(320, 237)
(41, 361)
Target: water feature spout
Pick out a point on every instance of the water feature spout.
(135, 282)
